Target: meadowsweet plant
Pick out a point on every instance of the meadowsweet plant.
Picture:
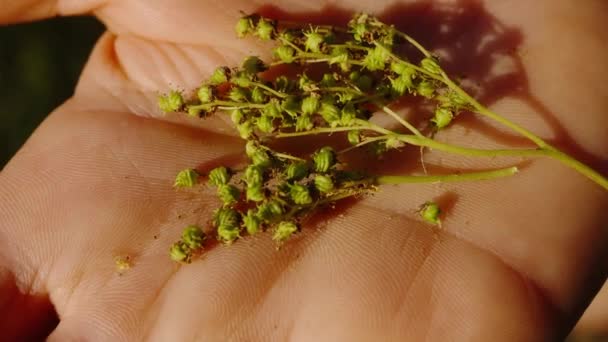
(345, 75)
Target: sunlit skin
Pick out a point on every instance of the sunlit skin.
(516, 259)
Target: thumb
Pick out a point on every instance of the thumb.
(16, 11)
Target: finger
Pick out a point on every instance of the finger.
(15, 11)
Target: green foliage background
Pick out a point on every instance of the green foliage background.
(39, 66)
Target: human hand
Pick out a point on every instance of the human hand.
(517, 259)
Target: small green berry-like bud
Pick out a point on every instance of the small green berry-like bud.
(364, 83)
(330, 113)
(328, 80)
(238, 94)
(186, 178)
(291, 104)
(400, 68)
(265, 29)
(253, 65)
(244, 26)
(237, 116)
(430, 64)
(313, 41)
(306, 84)
(179, 252)
(324, 159)
(269, 210)
(272, 109)
(401, 84)
(310, 104)
(251, 222)
(226, 217)
(304, 123)
(254, 175)
(257, 155)
(284, 231)
(205, 94)
(193, 237)
(228, 234)
(296, 171)
(375, 59)
(393, 142)
(285, 53)
(219, 176)
(255, 193)
(265, 124)
(229, 194)
(300, 194)
(245, 129)
(443, 117)
(324, 183)
(426, 89)
(354, 137)
(219, 76)
(171, 102)
(258, 95)
(349, 114)
(195, 111)
(284, 84)
(430, 212)
(339, 55)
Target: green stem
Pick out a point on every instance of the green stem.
(412, 41)
(268, 89)
(401, 121)
(459, 177)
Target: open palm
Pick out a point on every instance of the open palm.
(517, 259)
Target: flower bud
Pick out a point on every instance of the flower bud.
(258, 95)
(219, 76)
(324, 183)
(354, 137)
(304, 123)
(245, 130)
(265, 29)
(330, 113)
(443, 117)
(265, 124)
(272, 109)
(229, 194)
(339, 55)
(227, 234)
(313, 41)
(430, 212)
(186, 178)
(254, 175)
(253, 65)
(310, 104)
(237, 116)
(193, 237)
(375, 59)
(205, 94)
(430, 64)
(251, 222)
(226, 217)
(296, 171)
(255, 193)
(426, 89)
(244, 26)
(179, 252)
(324, 159)
(284, 231)
(238, 94)
(348, 115)
(269, 210)
(171, 102)
(219, 176)
(300, 194)
(328, 80)
(285, 53)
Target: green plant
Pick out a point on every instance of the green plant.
(363, 73)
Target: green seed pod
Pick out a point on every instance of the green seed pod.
(285, 53)
(324, 159)
(171, 102)
(225, 216)
(443, 117)
(269, 210)
(255, 193)
(219, 76)
(304, 123)
(272, 109)
(186, 178)
(257, 155)
(313, 41)
(229, 194)
(426, 89)
(205, 94)
(330, 113)
(245, 130)
(305, 83)
(393, 142)
(244, 26)
(401, 84)
(430, 64)
(253, 65)
(179, 252)
(296, 171)
(266, 29)
(228, 234)
(195, 112)
(237, 116)
(241, 79)
(339, 55)
(328, 80)
(291, 104)
(300, 194)
(348, 115)
(430, 212)
(258, 95)
(283, 84)
(254, 175)
(219, 176)
(238, 94)
(354, 137)
(399, 68)
(375, 59)
(193, 237)
(251, 222)
(265, 124)
(311, 104)
(324, 183)
(284, 231)
(364, 83)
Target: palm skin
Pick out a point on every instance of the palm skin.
(517, 259)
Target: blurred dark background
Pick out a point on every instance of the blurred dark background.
(39, 66)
